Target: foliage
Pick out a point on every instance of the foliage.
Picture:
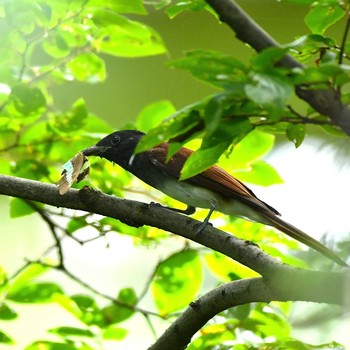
(44, 43)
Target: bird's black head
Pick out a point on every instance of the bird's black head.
(117, 147)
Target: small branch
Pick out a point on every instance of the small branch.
(345, 35)
(53, 227)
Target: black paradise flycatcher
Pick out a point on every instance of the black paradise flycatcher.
(213, 189)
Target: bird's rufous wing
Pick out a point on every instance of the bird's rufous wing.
(214, 178)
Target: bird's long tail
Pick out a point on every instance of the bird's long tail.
(302, 237)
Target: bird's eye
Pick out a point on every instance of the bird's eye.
(115, 140)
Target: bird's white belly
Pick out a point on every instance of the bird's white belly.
(200, 197)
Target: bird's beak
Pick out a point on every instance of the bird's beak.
(95, 150)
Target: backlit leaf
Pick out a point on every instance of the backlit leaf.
(260, 173)
(19, 208)
(7, 313)
(177, 281)
(35, 292)
(5, 339)
(214, 145)
(322, 16)
(153, 114)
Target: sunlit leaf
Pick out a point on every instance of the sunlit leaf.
(186, 5)
(48, 345)
(121, 6)
(87, 67)
(116, 313)
(85, 308)
(19, 207)
(27, 101)
(7, 313)
(153, 114)
(260, 173)
(177, 281)
(5, 339)
(121, 36)
(28, 274)
(213, 67)
(214, 145)
(227, 269)
(35, 292)
(173, 127)
(72, 332)
(252, 147)
(114, 333)
(323, 15)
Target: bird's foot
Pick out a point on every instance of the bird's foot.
(201, 226)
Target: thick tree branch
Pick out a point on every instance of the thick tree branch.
(228, 295)
(326, 102)
(279, 282)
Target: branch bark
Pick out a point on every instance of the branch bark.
(279, 282)
(327, 102)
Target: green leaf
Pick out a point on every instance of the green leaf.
(270, 90)
(19, 208)
(213, 113)
(73, 120)
(186, 5)
(49, 345)
(267, 58)
(121, 6)
(5, 339)
(296, 134)
(75, 224)
(323, 15)
(227, 269)
(177, 281)
(26, 101)
(153, 114)
(88, 310)
(216, 68)
(72, 332)
(28, 274)
(179, 124)
(87, 67)
(214, 145)
(30, 169)
(6, 313)
(58, 44)
(35, 292)
(123, 37)
(260, 173)
(252, 147)
(114, 333)
(116, 313)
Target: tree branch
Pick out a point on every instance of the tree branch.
(228, 295)
(326, 102)
(279, 282)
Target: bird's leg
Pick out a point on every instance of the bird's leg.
(188, 211)
(206, 222)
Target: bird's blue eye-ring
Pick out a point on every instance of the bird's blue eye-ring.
(115, 140)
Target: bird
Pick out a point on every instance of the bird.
(214, 188)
